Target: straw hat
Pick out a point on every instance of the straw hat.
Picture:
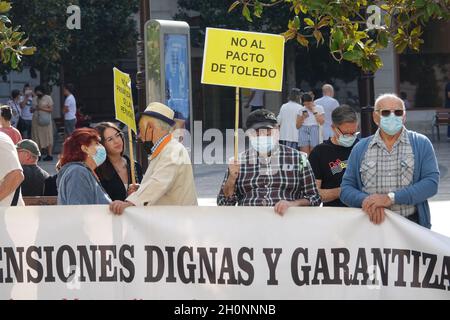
(160, 111)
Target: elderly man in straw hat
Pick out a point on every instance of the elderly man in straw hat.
(169, 179)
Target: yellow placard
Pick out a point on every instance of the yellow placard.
(123, 100)
(243, 59)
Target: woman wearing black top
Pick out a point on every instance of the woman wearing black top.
(115, 172)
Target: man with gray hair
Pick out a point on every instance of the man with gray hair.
(35, 176)
(329, 159)
(394, 169)
(169, 179)
(329, 104)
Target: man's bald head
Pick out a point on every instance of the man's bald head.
(389, 99)
(328, 90)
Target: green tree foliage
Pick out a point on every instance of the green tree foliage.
(215, 14)
(108, 31)
(313, 63)
(12, 40)
(343, 24)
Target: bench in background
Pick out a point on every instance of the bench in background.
(40, 201)
(441, 118)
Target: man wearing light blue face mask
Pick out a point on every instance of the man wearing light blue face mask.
(268, 173)
(394, 169)
(329, 159)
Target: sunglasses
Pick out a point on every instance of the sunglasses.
(387, 113)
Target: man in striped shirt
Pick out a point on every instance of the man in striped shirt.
(268, 174)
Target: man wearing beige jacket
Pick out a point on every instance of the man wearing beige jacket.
(169, 179)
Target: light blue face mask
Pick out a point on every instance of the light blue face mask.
(346, 140)
(263, 144)
(100, 155)
(392, 124)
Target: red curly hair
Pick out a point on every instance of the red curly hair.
(72, 145)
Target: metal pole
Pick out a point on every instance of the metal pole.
(366, 102)
(144, 16)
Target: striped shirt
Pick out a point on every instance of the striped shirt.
(156, 145)
(384, 171)
(285, 175)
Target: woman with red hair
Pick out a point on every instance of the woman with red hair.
(77, 181)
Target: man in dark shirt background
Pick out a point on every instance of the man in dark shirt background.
(329, 159)
(35, 176)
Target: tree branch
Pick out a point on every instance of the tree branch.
(250, 3)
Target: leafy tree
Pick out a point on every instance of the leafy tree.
(350, 37)
(12, 40)
(427, 91)
(108, 31)
(312, 64)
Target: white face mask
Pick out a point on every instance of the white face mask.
(100, 155)
(346, 140)
(263, 144)
(392, 124)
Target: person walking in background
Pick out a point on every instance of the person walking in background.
(5, 124)
(329, 104)
(308, 134)
(11, 175)
(26, 117)
(394, 169)
(83, 120)
(406, 102)
(447, 103)
(42, 125)
(329, 159)
(69, 110)
(14, 104)
(77, 181)
(288, 118)
(35, 177)
(257, 100)
(115, 172)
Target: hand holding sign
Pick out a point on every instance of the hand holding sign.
(243, 59)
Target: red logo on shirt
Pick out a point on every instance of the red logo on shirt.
(337, 166)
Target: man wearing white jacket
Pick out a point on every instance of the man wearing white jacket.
(169, 179)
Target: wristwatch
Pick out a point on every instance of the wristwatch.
(314, 113)
(391, 196)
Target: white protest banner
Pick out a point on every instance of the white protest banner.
(84, 252)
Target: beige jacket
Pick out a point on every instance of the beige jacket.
(169, 179)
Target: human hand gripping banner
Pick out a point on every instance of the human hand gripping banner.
(84, 252)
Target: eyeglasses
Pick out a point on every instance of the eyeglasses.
(346, 134)
(387, 113)
(117, 135)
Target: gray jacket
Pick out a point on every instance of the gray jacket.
(78, 185)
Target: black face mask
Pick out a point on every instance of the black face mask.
(147, 145)
(40, 95)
